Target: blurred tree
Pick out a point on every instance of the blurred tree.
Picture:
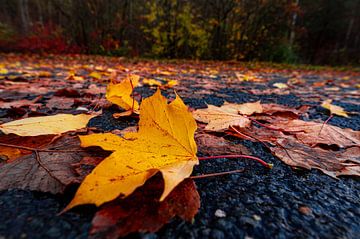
(321, 32)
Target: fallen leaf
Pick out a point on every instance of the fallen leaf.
(18, 103)
(60, 103)
(55, 124)
(245, 108)
(96, 75)
(334, 109)
(120, 94)
(142, 211)
(50, 172)
(165, 143)
(220, 118)
(280, 85)
(313, 133)
(8, 154)
(332, 163)
(171, 83)
(151, 82)
(214, 145)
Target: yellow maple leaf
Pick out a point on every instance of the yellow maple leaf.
(165, 142)
(120, 94)
(151, 82)
(54, 124)
(96, 75)
(171, 83)
(334, 109)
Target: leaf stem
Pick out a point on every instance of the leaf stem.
(267, 165)
(326, 121)
(217, 174)
(272, 128)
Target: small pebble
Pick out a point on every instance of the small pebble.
(305, 210)
(220, 213)
(257, 217)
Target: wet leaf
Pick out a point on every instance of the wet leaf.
(164, 142)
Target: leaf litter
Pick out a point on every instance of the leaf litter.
(298, 143)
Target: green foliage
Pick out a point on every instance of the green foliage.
(175, 33)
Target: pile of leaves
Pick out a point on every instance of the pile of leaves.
(145, 171)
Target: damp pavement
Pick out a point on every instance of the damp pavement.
(258, 203)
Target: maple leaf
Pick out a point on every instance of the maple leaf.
(334, 109)
(142, 211)
(313, 133)
(332, 163)
(8, 154)
(151, 82)
(96, 75)
(213, 145)
(120, 94)
(49, 170)
(165, 142)
(220, 118)
(54, 124)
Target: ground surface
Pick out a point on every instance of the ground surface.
(258, 203)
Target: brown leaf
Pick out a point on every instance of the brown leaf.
(8, 154)
(332, 163)
(213, 145)
(18, 104)
(60, 103)
(142, 211)
(283, 111)
(50, 172)
(313, 133)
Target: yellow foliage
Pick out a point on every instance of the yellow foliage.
(96, 75)
(334, 109)
(164, 143)
(55, 124)
(120, 94)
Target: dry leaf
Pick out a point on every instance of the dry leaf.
(331, 163)
(143, 212)
(247, 108)
(60, 103)
(96, 75)
(151, 82)
(55, 124)
(213, 145)
(171, 83)
(334, 109)
(120, 94)
(8, 154)
(281, 85)
(220, 118)
(165, 143)
(50, 172)
(313, 133)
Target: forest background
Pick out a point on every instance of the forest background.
(291, 31)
